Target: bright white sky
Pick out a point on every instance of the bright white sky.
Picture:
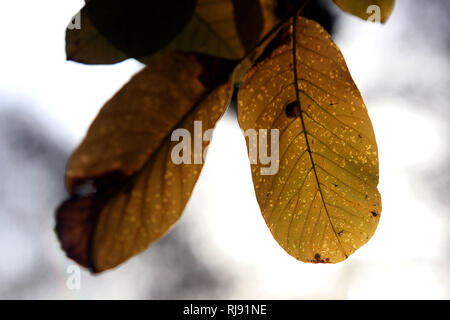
(407, 257)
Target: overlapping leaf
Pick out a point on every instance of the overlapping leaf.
(139, 192)
(366, 8)
(323, 202)
(212, 30)
(114, 30)
(126, 191)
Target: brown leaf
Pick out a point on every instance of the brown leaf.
(115, 30)
(126, 157)
(248, 17)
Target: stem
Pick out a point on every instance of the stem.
(275, 29)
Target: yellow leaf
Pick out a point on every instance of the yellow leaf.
(322, 204)
(140, 192)
(368, 9)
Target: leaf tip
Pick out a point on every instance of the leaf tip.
(74, 227)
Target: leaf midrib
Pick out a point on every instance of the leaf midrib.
(131, 180)
(308, 148)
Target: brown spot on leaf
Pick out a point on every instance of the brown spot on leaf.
(317, 259)
(291, 110)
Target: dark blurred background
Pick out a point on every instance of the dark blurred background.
(221, 247)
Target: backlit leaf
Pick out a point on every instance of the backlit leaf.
(323, 203)
(138, 191)
(367, 8)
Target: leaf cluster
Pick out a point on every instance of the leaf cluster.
(125, 191)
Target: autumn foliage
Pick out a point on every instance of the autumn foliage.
(126, 192)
